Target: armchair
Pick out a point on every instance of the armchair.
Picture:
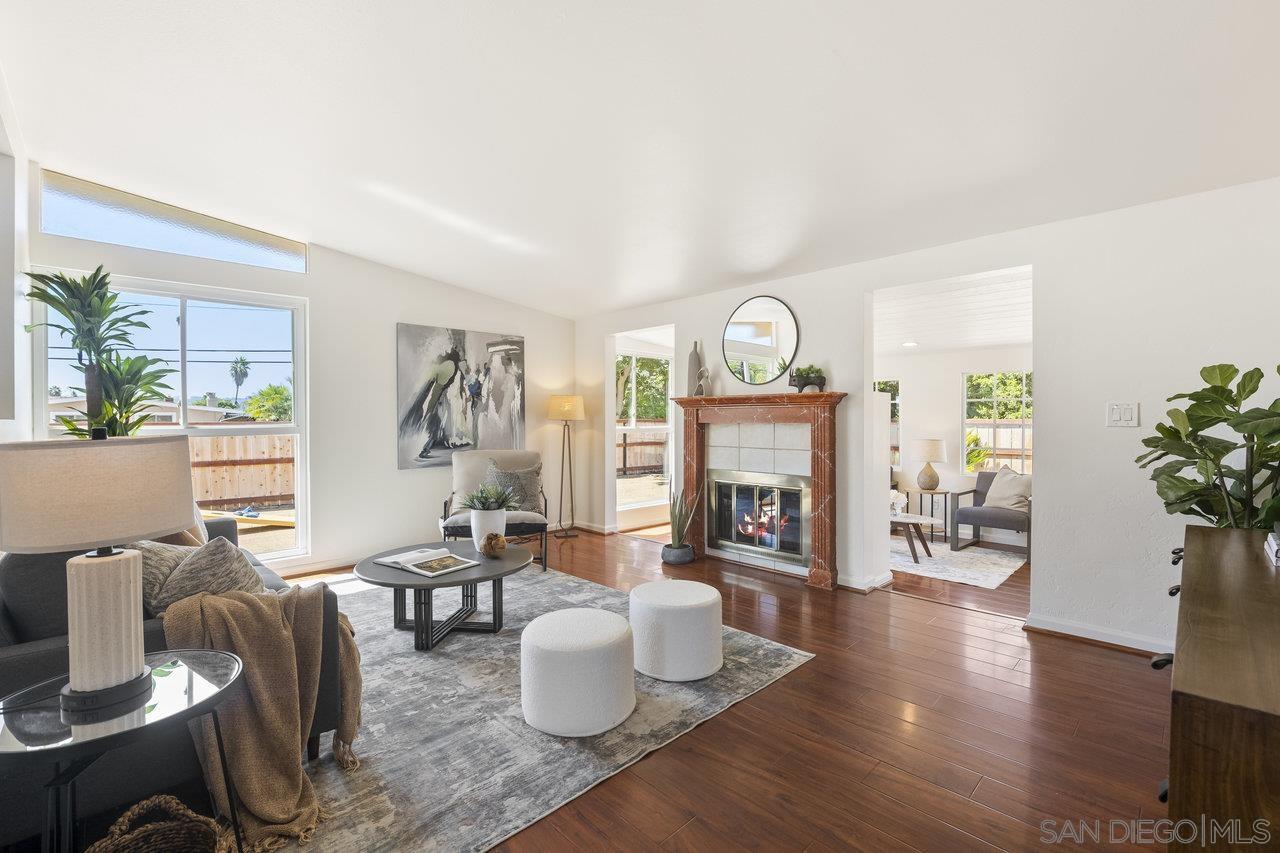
(469, 468)
(979, 516)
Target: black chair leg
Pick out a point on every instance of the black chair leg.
(544, 550)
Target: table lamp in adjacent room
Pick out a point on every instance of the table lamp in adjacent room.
(928, 451)
(567, 408)
(68, 495)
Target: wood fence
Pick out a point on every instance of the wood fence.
(640, 456)
(232, 471)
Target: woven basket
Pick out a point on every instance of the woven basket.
(160, 824)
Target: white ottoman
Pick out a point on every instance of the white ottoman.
(677, 630)
(576, 674)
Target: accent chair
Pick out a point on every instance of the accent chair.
(469, 469)
(979, 516)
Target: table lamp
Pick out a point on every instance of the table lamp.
(928, 451)
(566, 407)
(68, 495)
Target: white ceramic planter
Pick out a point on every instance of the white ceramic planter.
(486, 521)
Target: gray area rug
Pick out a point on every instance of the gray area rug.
(982, 567)
(447, 761)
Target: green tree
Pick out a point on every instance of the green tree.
(86, 311)
(651, 388)
(271, 403)
(55, 391)
(239, 373)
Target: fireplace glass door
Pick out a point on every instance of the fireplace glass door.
(767, 516)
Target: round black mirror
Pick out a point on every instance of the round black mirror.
(760, 340)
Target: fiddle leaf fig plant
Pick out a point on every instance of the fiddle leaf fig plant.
(1230, 478)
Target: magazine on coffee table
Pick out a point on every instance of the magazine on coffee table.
(428, 562)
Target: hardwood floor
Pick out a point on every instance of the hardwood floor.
(1011, 598)
(917, 726)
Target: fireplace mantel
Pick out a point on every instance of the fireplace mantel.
(819, 411)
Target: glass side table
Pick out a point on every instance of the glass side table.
(185, 684)
(945, 520)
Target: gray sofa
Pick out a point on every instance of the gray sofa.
(33, 647)
(979, 516)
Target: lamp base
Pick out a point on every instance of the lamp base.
(927, 479)
(80, 701)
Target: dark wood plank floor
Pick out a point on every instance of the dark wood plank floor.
(1011, 598)
(917, 726)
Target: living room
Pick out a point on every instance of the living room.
(404, 269)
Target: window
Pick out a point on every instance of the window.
(233, 383)
(70, 207)
(890, 386)
(997, 421)
(644, 430)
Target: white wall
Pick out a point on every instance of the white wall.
(360, 502)
(1128, 306)
(932, 400)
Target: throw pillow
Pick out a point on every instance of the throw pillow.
(216, 568)
(159, 560)
(527, 484)
(1009, 490)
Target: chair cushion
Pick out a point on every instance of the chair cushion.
(216, 568)
(519, 523)
(991, 516)
(470, 466)
(1009, 490)
(526, 483)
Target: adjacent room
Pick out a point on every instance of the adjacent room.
(955, 359)
(664, 426)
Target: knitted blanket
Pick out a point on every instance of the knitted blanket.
(267, 722)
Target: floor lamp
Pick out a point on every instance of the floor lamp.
(566, 408)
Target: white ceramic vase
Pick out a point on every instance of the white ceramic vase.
(486, 521)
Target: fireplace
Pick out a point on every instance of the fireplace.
(763, 514)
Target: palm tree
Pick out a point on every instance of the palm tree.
(94, 324)
(239, 373)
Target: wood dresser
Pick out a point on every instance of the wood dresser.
(1224, 736)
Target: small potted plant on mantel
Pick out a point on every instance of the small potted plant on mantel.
(680, 552)
(808, 378)
(489, 505)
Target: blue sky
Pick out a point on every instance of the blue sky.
(216, 334)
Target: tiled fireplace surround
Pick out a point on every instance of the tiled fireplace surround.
(770, 434)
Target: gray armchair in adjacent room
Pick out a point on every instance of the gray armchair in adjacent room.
(33, 646)
(979, 516)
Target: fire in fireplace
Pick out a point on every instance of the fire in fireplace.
(763, 514)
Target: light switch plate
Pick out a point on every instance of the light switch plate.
(1122, 414)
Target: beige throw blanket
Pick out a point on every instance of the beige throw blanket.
(266, 724)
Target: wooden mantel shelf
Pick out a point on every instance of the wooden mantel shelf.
(819, 412)
(821, 398)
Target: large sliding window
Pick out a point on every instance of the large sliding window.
(997, 421)
(235, 385)
(643, 451)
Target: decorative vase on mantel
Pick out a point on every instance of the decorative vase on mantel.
(486, 521)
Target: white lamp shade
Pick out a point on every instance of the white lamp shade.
(69, 495)
(928, 450)
(566, 407)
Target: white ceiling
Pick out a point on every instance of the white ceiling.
(988, 310)
(583, 155)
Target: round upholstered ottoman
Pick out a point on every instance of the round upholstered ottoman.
(677, 629)
(576, 673)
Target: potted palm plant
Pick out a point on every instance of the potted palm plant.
(680, 552)
(489, 504)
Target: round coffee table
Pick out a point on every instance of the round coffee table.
(427, 630)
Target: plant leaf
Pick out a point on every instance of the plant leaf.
(1259, 422)
(1219, 374)
(1248, 385)
(1180, 421)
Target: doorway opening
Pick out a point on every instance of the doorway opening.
(952, 368)
(644, 416)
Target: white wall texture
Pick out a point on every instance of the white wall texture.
(360, 502)
(1128, 306)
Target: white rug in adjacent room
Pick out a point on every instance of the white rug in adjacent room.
(984, 567)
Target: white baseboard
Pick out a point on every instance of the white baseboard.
(1102, 635)
(597, 528)
(874, 583)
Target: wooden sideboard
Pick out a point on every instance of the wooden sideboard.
(1224, 735)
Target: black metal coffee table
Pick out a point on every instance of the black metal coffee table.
(427, 630)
